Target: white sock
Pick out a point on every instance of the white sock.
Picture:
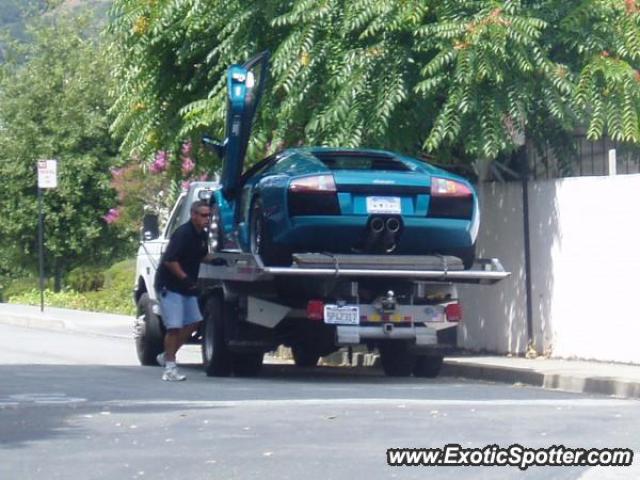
(171, 365)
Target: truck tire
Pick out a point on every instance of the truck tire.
(150, 335)
(428, 366)
(247, 364)
(216, 356)
(304, 356)
(396, 359)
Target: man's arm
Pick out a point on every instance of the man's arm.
(176, 269)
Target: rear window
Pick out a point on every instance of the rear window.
(361, 161)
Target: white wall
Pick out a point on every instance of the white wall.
(494, 316)
(585, 260)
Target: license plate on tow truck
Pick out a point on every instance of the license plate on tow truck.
(342, 315)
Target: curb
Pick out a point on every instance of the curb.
(30, 322)
(457, 368)
(598, 385)
(114, 328)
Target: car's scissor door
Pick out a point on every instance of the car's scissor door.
(245, 84)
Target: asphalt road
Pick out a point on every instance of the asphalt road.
(75, 406)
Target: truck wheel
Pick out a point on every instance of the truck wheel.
(149, 332)
(304, 356)
(247, 364)
(216, 356)
(396, 359)
(428, 366)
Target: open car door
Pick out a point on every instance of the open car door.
(245, 84)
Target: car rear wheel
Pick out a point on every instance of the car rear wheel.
(468, 256)
(261, 241)
(149, 332)
(396, 359)
(216, 356)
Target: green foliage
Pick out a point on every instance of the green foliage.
(455, 77)
(18, 286)
(85, 279)
(115, 297)
(53, 104)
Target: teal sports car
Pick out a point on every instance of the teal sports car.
(332, 200)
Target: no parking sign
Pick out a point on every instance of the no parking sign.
(47, 173)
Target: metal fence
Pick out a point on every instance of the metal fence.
(588, 159)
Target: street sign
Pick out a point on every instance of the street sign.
(47, 173)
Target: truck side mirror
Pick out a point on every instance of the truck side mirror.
(150, 227)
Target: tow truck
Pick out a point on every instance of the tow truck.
(405, 306)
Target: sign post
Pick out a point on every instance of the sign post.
(47, 178)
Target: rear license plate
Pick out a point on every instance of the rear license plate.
(346, 315)
(384, 205)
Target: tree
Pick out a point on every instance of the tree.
(53, 104)
(456, 78)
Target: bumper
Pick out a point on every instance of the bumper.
(344, 233)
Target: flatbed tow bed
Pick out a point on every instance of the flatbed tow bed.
(246, 267)
(405, 306)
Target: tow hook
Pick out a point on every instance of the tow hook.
(389, 302)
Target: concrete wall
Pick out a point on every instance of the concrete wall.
(585, 258)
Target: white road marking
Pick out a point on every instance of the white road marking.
(43, 399)
(397, 402)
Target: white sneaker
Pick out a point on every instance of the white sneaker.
(172, 375)
(161, 360)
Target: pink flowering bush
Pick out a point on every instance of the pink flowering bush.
(112, 216)
(187, 165)
(160, 162)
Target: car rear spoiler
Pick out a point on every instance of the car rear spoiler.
(246, 267)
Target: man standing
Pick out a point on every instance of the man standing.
(176, 284)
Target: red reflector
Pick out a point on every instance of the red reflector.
(315, 310)
(453, 312)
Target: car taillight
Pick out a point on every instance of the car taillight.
(315, 184)
(453, 311)
(314, 195)
(315, 310)
(450, 199)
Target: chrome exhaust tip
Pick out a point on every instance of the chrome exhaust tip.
(393, 225)
(376, 225)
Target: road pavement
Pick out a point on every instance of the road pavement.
(77, 406)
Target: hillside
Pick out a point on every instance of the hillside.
(14, 13)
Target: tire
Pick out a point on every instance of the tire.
(261, 242)
(150, 337)
(468, 256)
(216, 357)
(247, 364)
(428, 366)
(303, 356)
(396, 359)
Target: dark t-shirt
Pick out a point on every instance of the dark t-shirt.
(188, 248)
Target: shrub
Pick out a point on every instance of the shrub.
(114, 297)
(85, 279)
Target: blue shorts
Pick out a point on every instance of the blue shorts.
(178, 311)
